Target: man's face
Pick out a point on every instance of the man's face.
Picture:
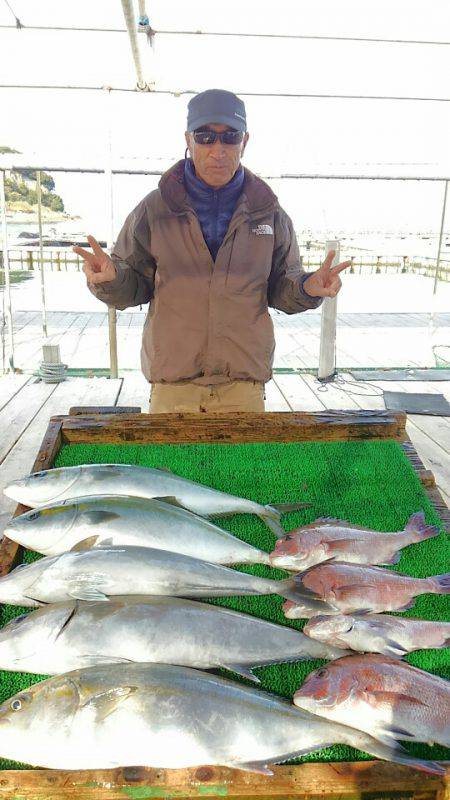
(215, 163)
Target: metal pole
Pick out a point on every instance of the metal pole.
(41, 254)
(9, 315)
(438, 260)
(327, 356)
(128, 13)
(112, 314)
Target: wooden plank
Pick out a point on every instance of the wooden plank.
(10, 385)
(365, 394)
(298, 394)
(332, 395)
(74, 390)
(15, 417)
(336, 781)
(240, 426)
(135, 391)
(44, 459)
(77, 411)
(275, 400)
(433, 457)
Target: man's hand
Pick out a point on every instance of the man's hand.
(98, 266)
(325, 282)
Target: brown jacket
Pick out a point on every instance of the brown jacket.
(208, 322)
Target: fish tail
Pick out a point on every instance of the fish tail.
(395, 752)
(271, 516)
(418, 530)
(439, 584)
(293, 589)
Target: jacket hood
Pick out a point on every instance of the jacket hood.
(257, 194)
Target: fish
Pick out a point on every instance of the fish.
(353, 588)
(69, 483)
(102, 572)
(111, 521)
(330, 539)
(61, 637)
(380, 695)
(379, 633)
(120, 715)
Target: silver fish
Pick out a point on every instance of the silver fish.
(69, 483)
(105, 520)
(121, 715)
(379, 633)
(380, 695)
(166, 630)
(334, 539)
(103, 572)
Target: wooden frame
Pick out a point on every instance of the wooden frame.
(368, 780)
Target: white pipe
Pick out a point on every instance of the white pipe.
(9, 315)
(41, 253)
(112, 314)
(327, 356)
(128, 13)
(438, 260)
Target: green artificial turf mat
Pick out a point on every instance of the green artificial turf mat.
(368, 483)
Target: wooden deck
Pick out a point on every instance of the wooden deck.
(26, 405)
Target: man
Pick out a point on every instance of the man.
(210, 250)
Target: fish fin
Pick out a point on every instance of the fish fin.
(239, 669)
(288, 508)
(398, 733)
(85, 544)
(393, 751)
(393, 698)
(394, 559)
(406, 607)
(293, 589)
(343, 593)
(88, 660)
(441, 583)
(69, 617)
(337, 545)
(172, 500)
(86, 593)
(105, 703)
(395, 648)
(417, 527)
(274, 526)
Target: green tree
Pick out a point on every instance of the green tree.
(56, 203)
(5, 149)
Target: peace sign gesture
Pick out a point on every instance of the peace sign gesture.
(98, 266)
(325, 282)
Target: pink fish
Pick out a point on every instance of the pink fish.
(378, 633)
(349, 588)
(382, 696)
(334, 539)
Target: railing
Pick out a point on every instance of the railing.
(64, 260)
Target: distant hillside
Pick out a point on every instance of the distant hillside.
(21, 192)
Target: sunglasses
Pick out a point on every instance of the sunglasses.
(210, 137)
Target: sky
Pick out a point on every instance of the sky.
(287, 135)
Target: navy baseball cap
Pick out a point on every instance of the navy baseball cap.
(216, 106)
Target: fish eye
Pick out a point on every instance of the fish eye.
(34, 515)
(37, 474)
(322, 673)
(16, 704)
